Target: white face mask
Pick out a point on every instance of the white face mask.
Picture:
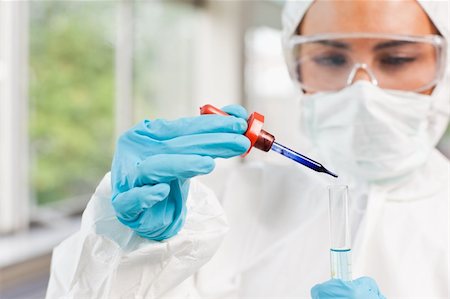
(369, 132)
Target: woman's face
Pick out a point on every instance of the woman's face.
(404, 17)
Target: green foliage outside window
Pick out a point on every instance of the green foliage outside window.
(71, 97)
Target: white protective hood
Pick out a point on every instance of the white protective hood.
(438, 11)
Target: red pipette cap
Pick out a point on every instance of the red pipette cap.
(259, 138)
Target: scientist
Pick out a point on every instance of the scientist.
(375, 100)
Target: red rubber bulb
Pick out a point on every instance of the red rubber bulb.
(259, 138)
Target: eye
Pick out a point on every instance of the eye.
(332, 60)
(397, 60)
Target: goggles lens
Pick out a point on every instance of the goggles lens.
(329, 64)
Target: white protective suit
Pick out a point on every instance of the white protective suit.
(274, 242)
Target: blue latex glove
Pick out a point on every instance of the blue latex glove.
(154, 161)
(361, 288)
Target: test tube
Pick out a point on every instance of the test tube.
(340, 247)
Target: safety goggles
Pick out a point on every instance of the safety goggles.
(330, 62)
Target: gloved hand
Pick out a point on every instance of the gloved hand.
(361, 288)
(154, 161)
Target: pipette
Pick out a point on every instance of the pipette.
(265, 141)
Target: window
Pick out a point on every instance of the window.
(71, 93)
(81, 60)
(164, 45)
(73, 75)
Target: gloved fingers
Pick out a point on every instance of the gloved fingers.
(215, 145)
(153, 223)
(369, 285)
(333, 288)
(161, 129)
(236, 110)
(365, 281)
(131, 204)
(164, 168)
(363, 287)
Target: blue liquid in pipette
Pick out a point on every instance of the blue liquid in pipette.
(287, 152)
(341, 264)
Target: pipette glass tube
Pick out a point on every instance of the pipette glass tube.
(299, 158)
(340, 247)
(265, 141)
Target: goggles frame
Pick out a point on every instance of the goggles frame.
(436, 41)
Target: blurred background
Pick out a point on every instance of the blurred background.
(75, 74)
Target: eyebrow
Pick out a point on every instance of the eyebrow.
(334, 44)
(390, 44)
